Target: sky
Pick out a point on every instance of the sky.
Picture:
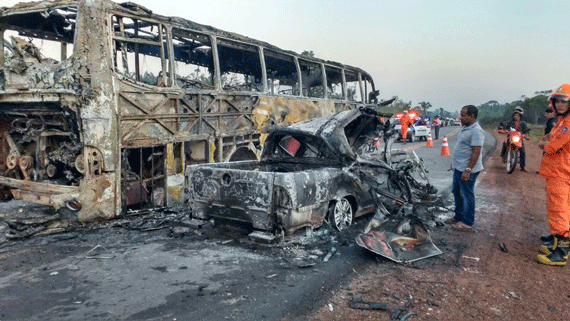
(448, 53)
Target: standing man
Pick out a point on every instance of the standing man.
(436, 123)
(550, 116)
(467, 165)
(406, 120)
(555, 167)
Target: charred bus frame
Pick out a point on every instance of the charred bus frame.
(112, 123)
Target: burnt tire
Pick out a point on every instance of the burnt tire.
(341, 214)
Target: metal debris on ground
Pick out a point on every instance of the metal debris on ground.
(407, 315)
(263, 237)
(301, 262)
(503, 247)
(402, 313)
(330, 254)
(29, 220)
(87, 256)
(400, 239)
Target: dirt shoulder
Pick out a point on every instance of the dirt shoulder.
(474, 279)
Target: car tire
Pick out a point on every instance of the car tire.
(412, 137)
(341, 214)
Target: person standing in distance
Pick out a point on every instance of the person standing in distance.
(550, 116)
(555, 167)
(467, 164)
(436, 123)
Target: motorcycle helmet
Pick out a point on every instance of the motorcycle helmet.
(519, 110)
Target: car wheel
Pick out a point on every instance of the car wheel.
(412, 137)
(340, 214)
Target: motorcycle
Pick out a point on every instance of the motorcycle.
(514, 144)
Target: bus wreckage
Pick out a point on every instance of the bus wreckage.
(102, 105)
(110, 122)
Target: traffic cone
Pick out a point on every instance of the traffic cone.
(445, 147)
(429, 142)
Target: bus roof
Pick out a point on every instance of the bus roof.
(140, 11)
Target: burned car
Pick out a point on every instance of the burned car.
(309, 174)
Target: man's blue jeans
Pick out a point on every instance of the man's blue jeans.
(464, 194)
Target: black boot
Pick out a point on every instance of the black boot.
(547, 246)
(559, 254)
(548, 241)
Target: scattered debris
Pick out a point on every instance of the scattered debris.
(271, 276)
(330, 307)
(552, 309)
(330, 254)
(513, 295)
(503, 247)
(179, 231)
(358, 303)
(301, 262)
(194, 223)
(102, 256)
(471, 258)
(400, 240)
(407, 315)
(432, 303)
(263, 237)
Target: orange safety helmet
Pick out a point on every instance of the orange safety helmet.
(562, 93)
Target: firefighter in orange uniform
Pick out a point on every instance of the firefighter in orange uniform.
(555, 167)
(406, 120)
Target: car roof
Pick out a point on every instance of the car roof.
(333, 130)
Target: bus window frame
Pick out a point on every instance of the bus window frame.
(165, 42)
(359, 79)
(343, 85)
(297, 73)
(322, 78)
(259, 52)
(179, 33)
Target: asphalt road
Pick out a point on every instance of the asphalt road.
(209, 274)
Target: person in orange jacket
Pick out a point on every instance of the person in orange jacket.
(406, 120)
(555, 167)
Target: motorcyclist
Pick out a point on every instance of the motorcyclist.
(520, 125)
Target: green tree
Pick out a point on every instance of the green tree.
(425, 106)
(308, 53)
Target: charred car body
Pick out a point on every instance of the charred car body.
(309, 172)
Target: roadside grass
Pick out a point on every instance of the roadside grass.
(536, 132)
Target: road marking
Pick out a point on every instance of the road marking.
(423, 144)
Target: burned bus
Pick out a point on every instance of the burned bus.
(102, 105)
